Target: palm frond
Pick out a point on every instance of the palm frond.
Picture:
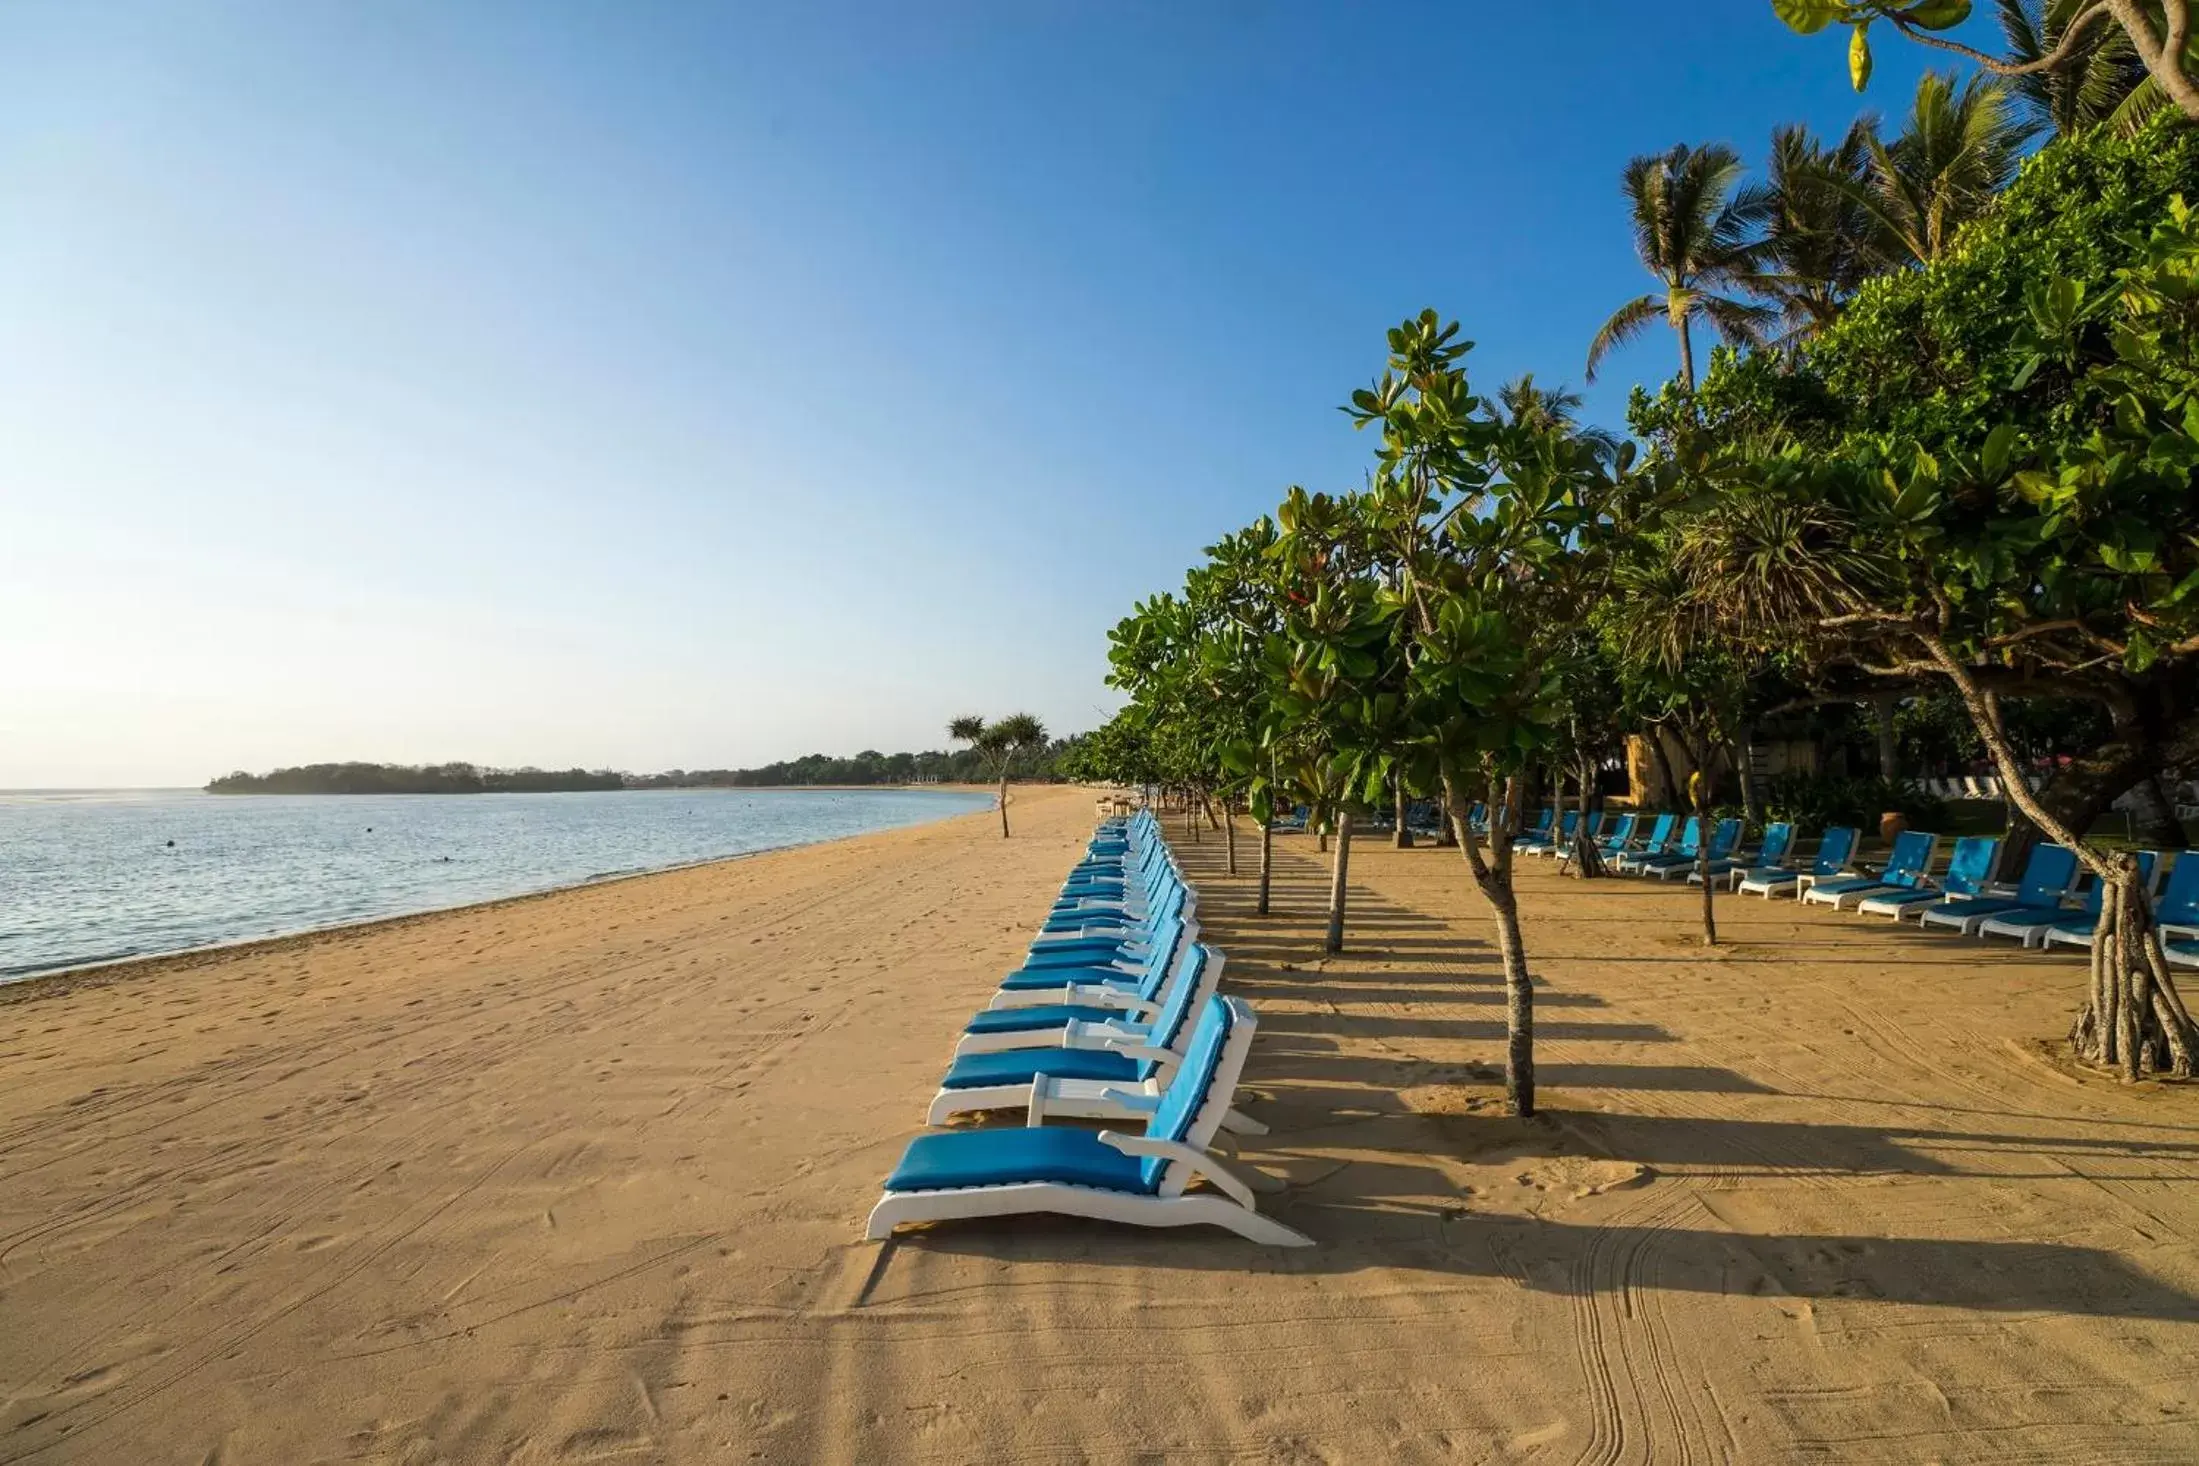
(1626, 323)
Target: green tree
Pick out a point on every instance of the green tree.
(1492, 524)
(2158, 32)
(1957, 150)
(1000, 745)
(1988, 562)
(1818, 231)
(2089, 85)
(1695, 228)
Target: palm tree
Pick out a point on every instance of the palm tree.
(999, 745)
(1695, 229)
(1523, 404)
(2094, 84)
(1818, 233)
(1958, 149)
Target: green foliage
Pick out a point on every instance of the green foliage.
(1946, 354)
(454, 778)
(1813, 801)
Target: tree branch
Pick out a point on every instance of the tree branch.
(2072, 37)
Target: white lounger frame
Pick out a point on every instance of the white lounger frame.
(2031, 931)
(1102, 1103)
(1133, 1027)
(1188, 1159)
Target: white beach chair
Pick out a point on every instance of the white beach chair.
(1141, 1179)
(1092, 1066)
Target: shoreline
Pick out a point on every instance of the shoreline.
(83, 976)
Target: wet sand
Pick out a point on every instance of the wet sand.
(582, 1177)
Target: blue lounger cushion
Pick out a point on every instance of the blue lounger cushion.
(1061, 977)
(1042, 1017)
(1021, 1066)
(1062, 1155)
(1073, 954)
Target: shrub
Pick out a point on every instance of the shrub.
(1813, 801)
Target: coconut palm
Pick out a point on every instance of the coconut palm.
(1818, 232)
(1695, 228)
(1522, 403)
(1000, 745)
(1958, 148)
(2090, 86)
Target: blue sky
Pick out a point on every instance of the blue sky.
(692, 385)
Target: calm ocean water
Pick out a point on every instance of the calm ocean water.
(99, 875)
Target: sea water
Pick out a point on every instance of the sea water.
(95, 876)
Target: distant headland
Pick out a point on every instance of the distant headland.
(868, 767)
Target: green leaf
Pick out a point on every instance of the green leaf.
(1809, 16)
(1937, 15)
(1859, 55)
(2140, 653)
(1993, 457)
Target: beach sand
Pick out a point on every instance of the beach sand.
(583, 1178)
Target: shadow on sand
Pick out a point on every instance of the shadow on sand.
(1375, 1210)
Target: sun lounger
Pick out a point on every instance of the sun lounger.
(1046, 1025)
(1904, 870)
(1778, 840)
(1051, 984)
(1139, 1179)
(1724, 837)
(1620, 836)
(994, 1080)
(2046, 876)
(1661, 844)
(1834, 849)
(2031, 925)
(1527, 840)
(1967, 871)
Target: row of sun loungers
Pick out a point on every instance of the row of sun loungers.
(1114, 1016)
(2036, 908)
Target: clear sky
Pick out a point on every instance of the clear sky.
(691, 384)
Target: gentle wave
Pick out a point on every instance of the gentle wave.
(92, 876)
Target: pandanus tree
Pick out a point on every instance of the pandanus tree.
(2157, 32)
(1986, 564)
(1696, 228)
(1000, 744)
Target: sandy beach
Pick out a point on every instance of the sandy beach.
(582, 1178)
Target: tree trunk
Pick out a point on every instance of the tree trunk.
(1229, 834)
(1666, 775)
(1340, 872)
(1687, 352)
(1493, 878)
(2133, 1020)
(1004, 805)
(2163, 55)
(1267, 859)
(1403, 837)
(2152, 736)
(1586, 859)
(1699, 786)
(1744, 764)
(1882, 714)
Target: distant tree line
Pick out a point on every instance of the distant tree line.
(967, 766)
(962, 766)
(455, 778)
